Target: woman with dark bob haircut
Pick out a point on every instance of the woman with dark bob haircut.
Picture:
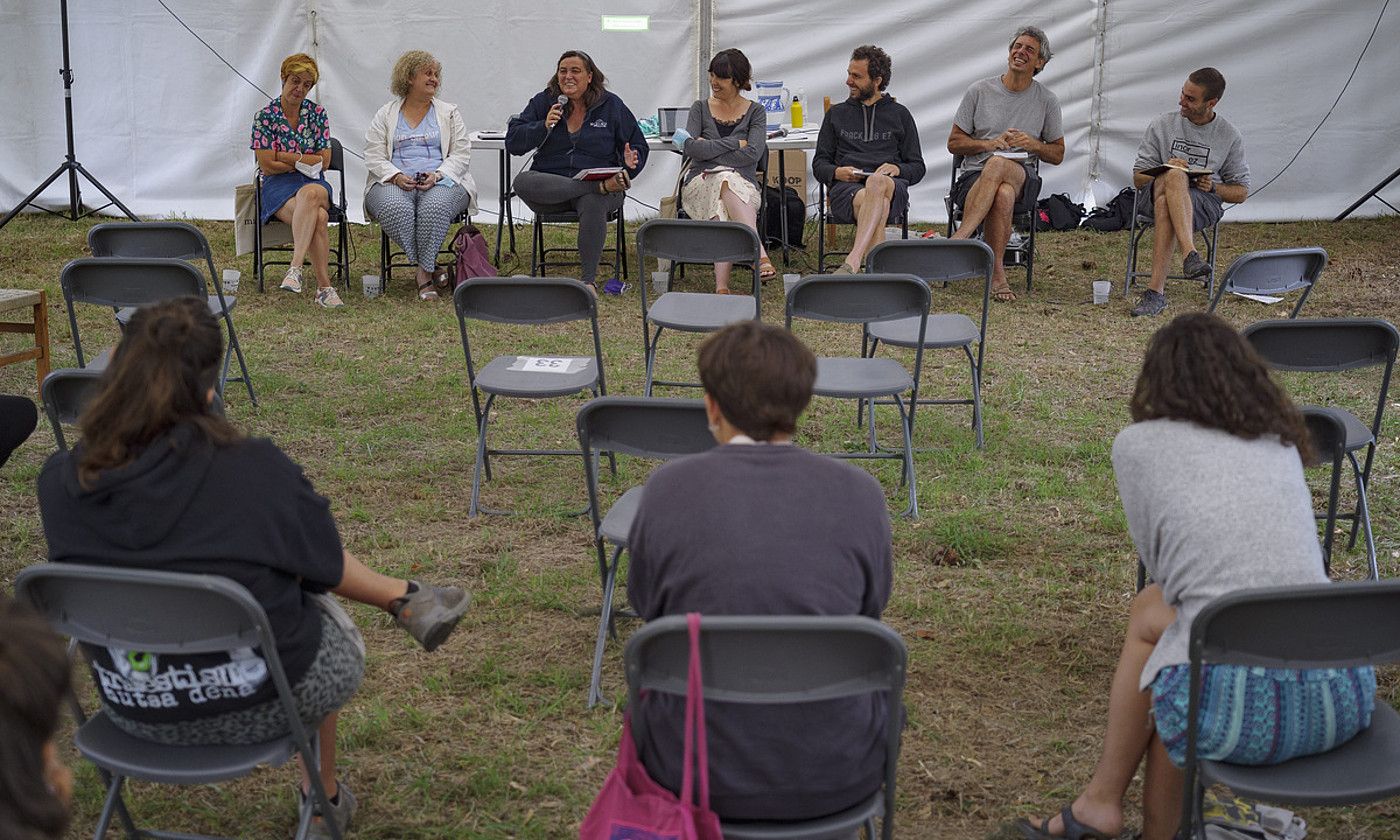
(35, 786)
(1211, 478)
(597, 131)
(162, 481)
(723, 141)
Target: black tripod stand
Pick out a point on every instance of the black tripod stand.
(70, 163)
(1363, 199)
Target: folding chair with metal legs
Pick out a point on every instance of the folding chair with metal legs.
(645, 427)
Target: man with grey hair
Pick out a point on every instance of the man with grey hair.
(1205, 156)
(1004, 123)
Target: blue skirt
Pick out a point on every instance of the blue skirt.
(1263, 715)
(277, 189)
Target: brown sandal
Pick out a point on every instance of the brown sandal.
(766, 270)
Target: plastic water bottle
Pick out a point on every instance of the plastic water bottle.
(797, 108)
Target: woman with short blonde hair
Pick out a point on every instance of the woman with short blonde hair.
(417, 155)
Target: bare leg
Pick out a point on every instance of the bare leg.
(1161, 793)
(321, 249)
(996, 232)
(300, 214)
(1171, 209)
(360, 583)
(995, 172)
(1129, 729)
(326, 758)
(739, 211)
(872, 208)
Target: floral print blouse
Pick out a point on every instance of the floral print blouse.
(271, 130)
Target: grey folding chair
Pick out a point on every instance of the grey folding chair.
(176, 240)
(645, 427)
(1329, 439)
(1274, 272)
(1140, 224)
(540, 261)
(776, 661)
(119, 282)
(938, 261)
(866, 299)
(66, 393)
(1332, 345)
(685, 241)
(339, 216)
(1020, 253)
(525, 300)
(167, 613)
(1335, 625)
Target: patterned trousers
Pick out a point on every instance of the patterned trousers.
(417, 219)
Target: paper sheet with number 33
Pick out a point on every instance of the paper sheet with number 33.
(550, 364)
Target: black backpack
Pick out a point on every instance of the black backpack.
(772, 222)
(1117, 214)
(1057, 212)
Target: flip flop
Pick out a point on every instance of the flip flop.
(1003, 295)
(1074, 829)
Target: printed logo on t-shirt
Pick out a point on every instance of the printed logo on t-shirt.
(1195, 154)
(137, 681)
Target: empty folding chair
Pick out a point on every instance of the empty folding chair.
(118, 283)
(777, 661)
(175, 240)
(66, 392)
(645, 427)
(525, 300)
(1333, 345)
(1334, 625)
(865, 299)
(938, 261)
(685, 241)
(167, 612)
(1275, 272)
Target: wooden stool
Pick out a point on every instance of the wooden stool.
(19, 299)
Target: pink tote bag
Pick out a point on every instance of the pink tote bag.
(632, 806)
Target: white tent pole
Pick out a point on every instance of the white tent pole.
(1096, 104)
(705, 46)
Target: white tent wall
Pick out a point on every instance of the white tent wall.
(164, 124)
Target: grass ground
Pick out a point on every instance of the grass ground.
(1011, 591)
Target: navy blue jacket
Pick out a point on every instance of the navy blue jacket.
(606, 128)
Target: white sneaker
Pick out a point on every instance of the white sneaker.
(292, 282)
(328, 299)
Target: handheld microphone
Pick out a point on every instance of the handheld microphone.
(562, 102)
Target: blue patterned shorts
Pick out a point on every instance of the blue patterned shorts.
(1263, 715)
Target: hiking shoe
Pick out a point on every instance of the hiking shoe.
(341, 812)
(1194, 267)
(614, 287)
(429, 613)
(327, 298)
(1151, 303)
(292, 282)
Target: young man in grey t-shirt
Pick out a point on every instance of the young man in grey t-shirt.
(1192, 137)
(1011, 113)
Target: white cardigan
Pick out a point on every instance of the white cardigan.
(456, 154)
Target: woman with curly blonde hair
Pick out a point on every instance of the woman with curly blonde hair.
(417, 155)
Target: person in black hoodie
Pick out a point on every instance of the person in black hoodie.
(598, 131)
(162, 481)
(868, 154)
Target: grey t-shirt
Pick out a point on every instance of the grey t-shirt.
(1212, 513)
(1216, 145)
(988, 109)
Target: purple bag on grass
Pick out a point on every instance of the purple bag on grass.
(632, 806)
(473, 257)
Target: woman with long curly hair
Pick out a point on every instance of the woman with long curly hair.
(35, 786)
(1211, 478)
(162, 481)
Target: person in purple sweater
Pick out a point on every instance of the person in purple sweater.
(758, 526)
